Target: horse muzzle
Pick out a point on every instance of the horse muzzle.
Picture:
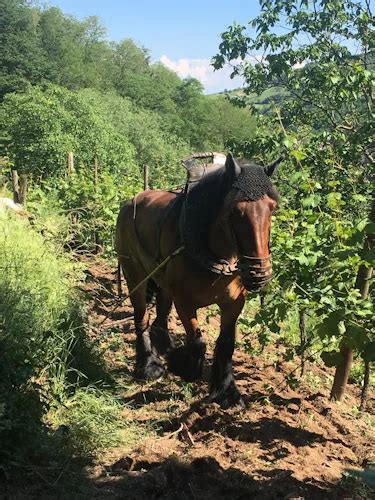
(255, 273)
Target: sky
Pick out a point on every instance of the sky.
(183, 35)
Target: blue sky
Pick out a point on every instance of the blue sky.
(183, 35)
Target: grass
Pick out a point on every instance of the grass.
(92, 420)
(56, 401)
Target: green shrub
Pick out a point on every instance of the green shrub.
(44, 124)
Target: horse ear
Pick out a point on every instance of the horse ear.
(272, 167)
(232, 168)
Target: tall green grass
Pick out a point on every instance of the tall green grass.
(51, 378)
(40, 319)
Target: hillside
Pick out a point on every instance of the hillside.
(264, 103)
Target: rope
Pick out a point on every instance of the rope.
(137, 287)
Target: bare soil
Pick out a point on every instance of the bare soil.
(287, 443)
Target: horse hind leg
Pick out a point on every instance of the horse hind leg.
(159, 334)
(148, 365)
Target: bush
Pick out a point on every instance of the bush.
(44, 124)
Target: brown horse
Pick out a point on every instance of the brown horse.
(222, 219)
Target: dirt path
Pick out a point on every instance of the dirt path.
(285, 444)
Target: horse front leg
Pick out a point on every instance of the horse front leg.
(223, 389)
(187, 361)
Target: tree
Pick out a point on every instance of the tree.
(329, 106)
(45, 124)
(22, 58)
(78, 54)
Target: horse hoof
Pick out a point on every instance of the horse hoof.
(227, 398)
(187, 361)
(152, 370)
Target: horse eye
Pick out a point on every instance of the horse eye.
(237, 211)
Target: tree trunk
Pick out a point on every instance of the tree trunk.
(366, 383)
(302, 332)
(362, 284)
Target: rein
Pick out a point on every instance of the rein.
(137, 287)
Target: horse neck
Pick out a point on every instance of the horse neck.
(220, 240)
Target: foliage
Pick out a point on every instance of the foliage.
(154, 144)
(42, 44)
(44, 125)
(21, 58)
(325, 125)
(93, 209)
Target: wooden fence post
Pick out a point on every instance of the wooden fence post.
(145, 178)
(23, 190)
(15, 186)
(70, 163)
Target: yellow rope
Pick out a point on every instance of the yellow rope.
(157, 268)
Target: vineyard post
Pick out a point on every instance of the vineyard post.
(15, 186)
(145, 177)
(366, 383)
(362, 284)
(23, 190)
(70, 169)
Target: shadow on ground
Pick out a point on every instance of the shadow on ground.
(203, 478)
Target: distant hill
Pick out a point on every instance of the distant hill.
(264, 102)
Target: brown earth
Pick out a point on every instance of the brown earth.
(286, 443)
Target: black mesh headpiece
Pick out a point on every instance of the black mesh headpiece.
(253, 183)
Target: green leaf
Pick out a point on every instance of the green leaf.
(370, 256)
(302, 259)
(332, 325)
(298, 154)
(368, 353)
(331, 358)
(288, 142)
(334, 79)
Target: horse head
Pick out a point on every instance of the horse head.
(251, 201)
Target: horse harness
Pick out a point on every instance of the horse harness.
(255, 272)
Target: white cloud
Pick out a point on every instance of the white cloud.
(201, 69)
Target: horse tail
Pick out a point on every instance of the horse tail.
(151, 291)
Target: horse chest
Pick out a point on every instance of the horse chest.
(204, 288)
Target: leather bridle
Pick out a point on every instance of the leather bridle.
(255, 272)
